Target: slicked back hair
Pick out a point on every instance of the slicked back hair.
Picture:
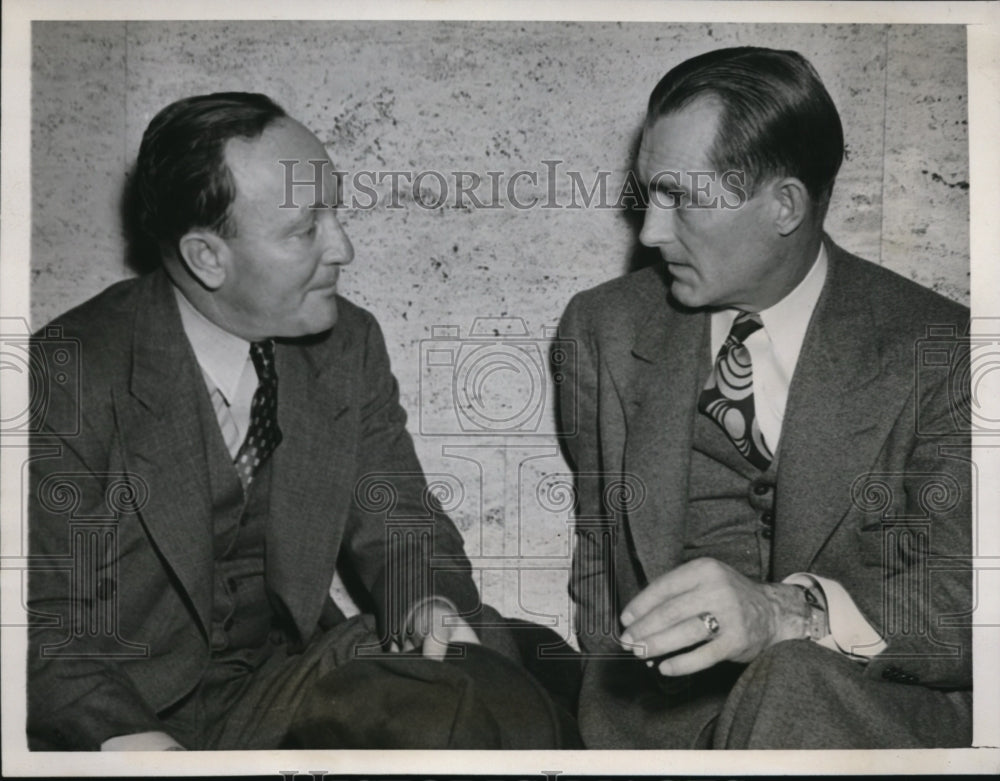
(777, 119)
(182, 181)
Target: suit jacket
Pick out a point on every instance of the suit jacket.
(873, 478)
(120, 501)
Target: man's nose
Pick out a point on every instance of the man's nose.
(337, 247)
(657, 225)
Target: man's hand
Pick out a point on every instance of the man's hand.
(670, 615)
(432, 625)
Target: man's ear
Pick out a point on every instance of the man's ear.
(206, 256)
(794, 204)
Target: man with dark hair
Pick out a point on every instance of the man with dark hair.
(792, 571)
(237, 430)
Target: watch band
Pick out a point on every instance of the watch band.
(817, 624)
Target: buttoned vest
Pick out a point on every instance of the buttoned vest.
(730, 504)
(242, 617)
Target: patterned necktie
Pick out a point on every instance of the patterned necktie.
(728, 395)
(263, 435)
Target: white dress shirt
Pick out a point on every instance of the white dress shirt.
(774, 352)
(228, 371)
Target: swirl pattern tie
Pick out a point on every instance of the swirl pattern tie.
(728, 395)
(263, 436)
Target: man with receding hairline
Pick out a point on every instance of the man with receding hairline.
(243, 404)
(755, 382)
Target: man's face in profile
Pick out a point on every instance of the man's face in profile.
(716, 244)
(284, 261)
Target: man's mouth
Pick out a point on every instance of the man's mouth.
(329, 287)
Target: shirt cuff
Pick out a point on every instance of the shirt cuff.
(850, 633)
(141, 741)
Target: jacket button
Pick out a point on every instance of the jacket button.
(891, 673)
(761, 488)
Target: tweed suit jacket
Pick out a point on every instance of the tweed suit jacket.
(873, 481)
(128, 451)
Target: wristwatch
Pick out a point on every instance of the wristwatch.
(818, 622)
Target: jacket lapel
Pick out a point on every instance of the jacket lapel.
(842, 402)
(313, 473)
(163, 444)
(669, 360)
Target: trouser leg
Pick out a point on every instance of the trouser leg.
(800, 695)
(625, 705)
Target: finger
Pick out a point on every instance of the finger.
(701, 658)
(394, 647)
(461, 632)
(434, 649)
(677, 581)
(662, 618)
(684, 634)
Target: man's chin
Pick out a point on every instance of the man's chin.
(686, 295)
(321, 325)
(315, 325)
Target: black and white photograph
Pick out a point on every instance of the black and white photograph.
(522, 389)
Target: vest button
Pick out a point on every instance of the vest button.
(219, 640)
(766, 533)
(767, 518)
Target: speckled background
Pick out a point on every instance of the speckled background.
(482, 97)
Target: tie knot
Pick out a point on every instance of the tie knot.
(745, 324)
(262, 355)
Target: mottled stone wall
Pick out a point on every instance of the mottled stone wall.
(481, 97)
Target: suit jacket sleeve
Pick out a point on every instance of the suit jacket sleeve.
(591, 578)
(926, 589)
(78, 695)
(403, 546)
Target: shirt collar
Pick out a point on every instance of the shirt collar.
(221, 355)
(785, 322)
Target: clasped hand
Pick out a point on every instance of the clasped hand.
(669, 616)
(432, 625)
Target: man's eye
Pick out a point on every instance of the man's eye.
(309, 232)
(670, 199)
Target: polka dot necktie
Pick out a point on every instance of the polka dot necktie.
(263, 435)
(728, 395)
